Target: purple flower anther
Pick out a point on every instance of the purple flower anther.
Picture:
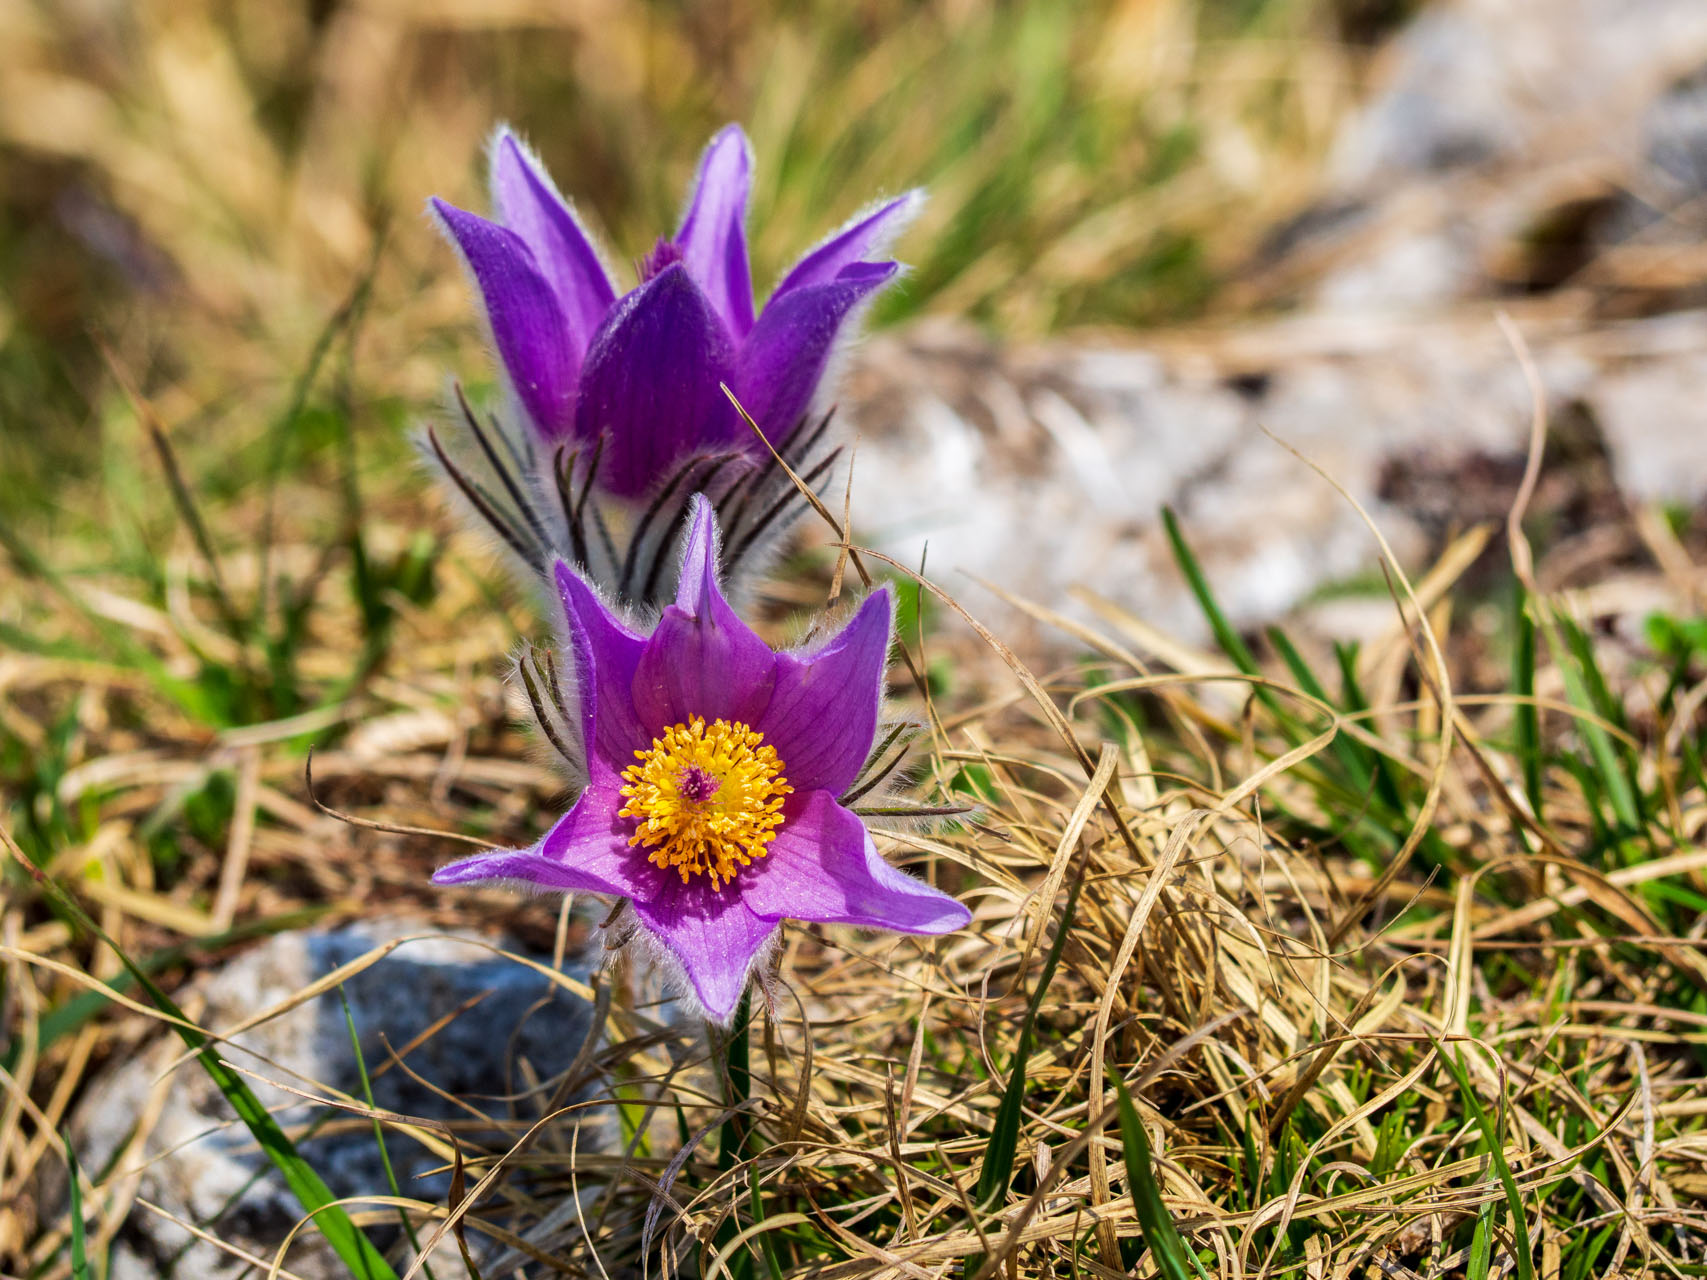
(642, 371)
(714, 766)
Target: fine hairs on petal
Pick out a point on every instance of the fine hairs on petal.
(495, 475)
(582, 411)
(505, 132)
(541, 340)
(540, 693)
(912, 204)
(848, 339)
(648, 956)
(515, 555)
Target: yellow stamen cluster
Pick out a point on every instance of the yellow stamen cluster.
(709, 798)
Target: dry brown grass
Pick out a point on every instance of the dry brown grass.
(1283, 1006)
(1279, 1009)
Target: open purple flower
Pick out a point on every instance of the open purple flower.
(715, 769)
(643, 370)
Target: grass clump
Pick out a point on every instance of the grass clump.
(1283, 961)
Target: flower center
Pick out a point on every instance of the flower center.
(663, 254)
(708, 798)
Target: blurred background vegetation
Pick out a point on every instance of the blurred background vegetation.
(203, 186)
(222, 309)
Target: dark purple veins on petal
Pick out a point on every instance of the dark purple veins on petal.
(652, 382)
(713, 235)
(785, 357)
(529, 206)
(527, 322)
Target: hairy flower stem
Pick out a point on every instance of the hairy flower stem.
(733, 1051)
(735, 1069)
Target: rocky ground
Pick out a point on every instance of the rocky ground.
(1544, 158)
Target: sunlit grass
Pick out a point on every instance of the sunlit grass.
(1393, 949)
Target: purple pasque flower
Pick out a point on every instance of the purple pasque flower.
(714, 771)
(644, 370)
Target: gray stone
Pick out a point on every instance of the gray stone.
(1485, 82)
(1505, 142)
(1042, 469)
(196, 1161)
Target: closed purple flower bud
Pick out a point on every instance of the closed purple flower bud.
(643, 371)
(714, 772)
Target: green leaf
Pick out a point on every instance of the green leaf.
(1528, 716)
(1160, 1234)
(1586, 688)
(1481, 1245)
(1496, 1153)
(1225, 634)
(353, 1248)
(379, 1130)
(999, 1152)
(65, 1018)
(79, 1245)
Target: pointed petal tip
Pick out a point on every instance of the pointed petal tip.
(787, 358)
(444, 215)
(698, 580)
(712, 232)
(718, 1003)
(702, 516)
(475, 869)
(955, 916)
(503, 138)
(860, 239)
(732, 135)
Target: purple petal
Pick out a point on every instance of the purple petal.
(712, 238)
(823, 867)
(711, 666)
(529, 205)
(702, 660)
(822, 717)
(785, 357)
(606, 654)
(587, 851)
(528, 327)
(652, 380)
(712, 933)
(697, 588)
(868, 234)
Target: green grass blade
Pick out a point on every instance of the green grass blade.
(767, 1245)
(122, 644)
(1352, 754)
(65, 1018)
(1585, 687)
(379, 1131)
(732, 1137)
(999, 1152)
(1528, 716)
(1226, 634)
(1496, 1153)
(1160, 1234)
(79, 1243)
(353, 1248)
(1353, 699)
(1481, 1245)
